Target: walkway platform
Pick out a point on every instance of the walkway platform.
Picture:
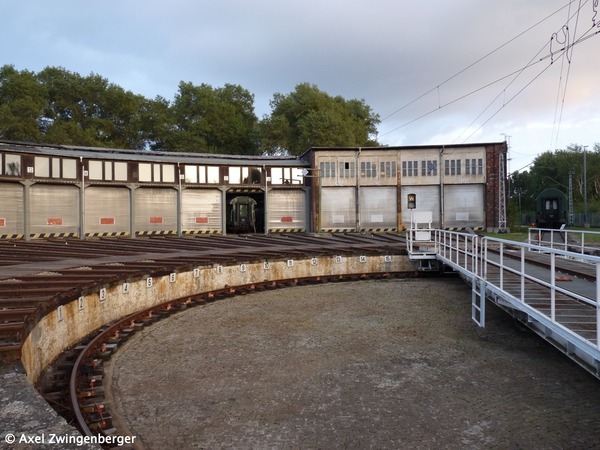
(554, 292)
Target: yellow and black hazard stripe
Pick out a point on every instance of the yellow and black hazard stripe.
(155, 233)
(192, 232)
(12, 236)
(244, 191)
(337, 230)
(109, 234)
(287, 230)
(379, 230)
(53, 235)
(463, 228)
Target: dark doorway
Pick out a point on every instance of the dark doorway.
(245, 212)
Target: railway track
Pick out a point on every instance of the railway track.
(38, 276)
(74, 385)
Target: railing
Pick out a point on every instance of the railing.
(500, 268)
(576, 241)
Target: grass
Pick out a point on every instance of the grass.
(520, 234)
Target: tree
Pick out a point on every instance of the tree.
(309, 117)
(90, 111)
(22, 100)
(211, 120)
(552, 170)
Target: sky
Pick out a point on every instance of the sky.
(436, 72)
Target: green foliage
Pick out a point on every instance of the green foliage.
(22, 101)
(210, 120)
(552, 170)
(309, 117)
(56, 106)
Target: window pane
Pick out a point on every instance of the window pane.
(55, 167)
(212, 174)
(234, 175)
(168, 172)
(108, 170)
(201, 174)
(156, 170)
(12, 164)
(121, 171)
(191, 174)
(145, 172)
(297, 176)
(42, 167)
(69, 167)
(95, 170)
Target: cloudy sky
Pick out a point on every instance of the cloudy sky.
(436, 71)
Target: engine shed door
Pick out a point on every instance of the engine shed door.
(464, 206)
(338, 209)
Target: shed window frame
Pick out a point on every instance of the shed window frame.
(11, 165)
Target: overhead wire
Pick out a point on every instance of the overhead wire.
(476, 62)
(564, 52)
(568, 58)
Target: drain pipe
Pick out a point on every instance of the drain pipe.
(357, 202)
(265, 212)
(441, 169)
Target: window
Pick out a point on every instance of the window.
(201, 174)
(244, 175)
(346, 169)
(212, 175)
(120, 170)
(368, 169)
(191, 174)
(410, 168)
(154, 172)
(289, 175)
(452, 167)
(432, 168)
(327, 169)
(12, 165)
(95, 170)
(387, 168)
(41, 167)
(46, 167)
(107, 170)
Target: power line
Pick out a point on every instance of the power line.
(476, 62)
(551, 55)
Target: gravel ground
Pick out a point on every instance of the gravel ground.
(370, 364)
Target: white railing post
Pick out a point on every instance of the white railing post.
(501, 266)
(598, 305)
(466, 251)
(553, 287)
(522, 274)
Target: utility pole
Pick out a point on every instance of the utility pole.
(501, 196)
(571, 221)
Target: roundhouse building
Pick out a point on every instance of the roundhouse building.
(366, 189)
(74, 191)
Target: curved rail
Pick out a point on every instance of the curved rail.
(93, 418)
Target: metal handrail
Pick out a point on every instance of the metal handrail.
(568, 240)
(456, 248)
